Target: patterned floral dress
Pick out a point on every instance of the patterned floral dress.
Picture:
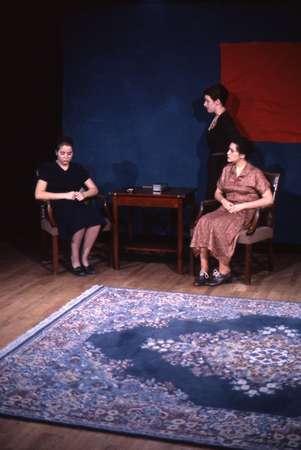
(218, 231)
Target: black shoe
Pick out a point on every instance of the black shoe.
(219, 278)
(78, 271)
(202, 279)
(89, 270)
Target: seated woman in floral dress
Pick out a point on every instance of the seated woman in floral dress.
(241, 189)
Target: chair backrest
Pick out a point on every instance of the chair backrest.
(273, 178)
(267, 214)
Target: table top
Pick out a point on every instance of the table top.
(148, 192)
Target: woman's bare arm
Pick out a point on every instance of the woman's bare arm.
(265, 200)
(41, 193)
(218, 195)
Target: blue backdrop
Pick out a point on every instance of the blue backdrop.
(132, 73)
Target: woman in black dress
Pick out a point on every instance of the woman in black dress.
(68, 185)
(220, 133)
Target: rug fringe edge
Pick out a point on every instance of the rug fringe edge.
(32, 331)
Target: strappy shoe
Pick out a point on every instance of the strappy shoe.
(218, 278)
(202, 279)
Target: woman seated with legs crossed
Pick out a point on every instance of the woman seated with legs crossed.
(241, 189)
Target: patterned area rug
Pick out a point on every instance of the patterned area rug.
(185, 367)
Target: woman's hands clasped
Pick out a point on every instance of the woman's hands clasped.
(75, 195)
(79, 196)
(226, 204)
(236, 208)
(232, 207)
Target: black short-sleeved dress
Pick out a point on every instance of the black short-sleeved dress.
(71, 215)
(218, 138)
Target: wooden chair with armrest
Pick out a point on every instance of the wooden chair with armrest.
(261, 229)
(49, 229)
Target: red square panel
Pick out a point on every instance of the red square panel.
(264, 79)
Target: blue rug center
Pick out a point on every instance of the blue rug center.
(212, 389)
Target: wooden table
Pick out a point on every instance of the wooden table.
(173, 198)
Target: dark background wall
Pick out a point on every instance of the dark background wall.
(121, 79)
(31, 69)
(131, 75)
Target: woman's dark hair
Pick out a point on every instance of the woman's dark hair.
(64, 140)
(244, 146)
(217, 92)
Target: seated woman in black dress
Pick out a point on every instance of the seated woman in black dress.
(67, 185)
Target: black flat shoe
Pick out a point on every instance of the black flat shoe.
(202, 279)
(78, 271)
(89, 270)
(219, 278)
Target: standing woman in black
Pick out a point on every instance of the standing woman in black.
(220, 133)
(68, 184)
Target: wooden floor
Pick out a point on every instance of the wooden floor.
(30, 293)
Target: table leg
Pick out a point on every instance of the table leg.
(180, 238)
(130, 223)
(116, 264)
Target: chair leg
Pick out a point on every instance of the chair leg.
(193, 266)
(43, 245)
(55, 254)
(248, 263)
(111, 252)
(270, 255)
(191, 262)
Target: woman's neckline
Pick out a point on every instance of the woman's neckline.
(239, 170)
(215, 120)
(62, 167)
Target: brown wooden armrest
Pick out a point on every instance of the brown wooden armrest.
(47, 213)
(50, 215)
(106, 206)
(270, 215)
(253, 225)
(206, 206)
(101, 201)
(209, 205)
(262, 216)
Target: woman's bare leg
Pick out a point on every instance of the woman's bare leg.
(203, 277)
(75, 247)
(224, 265)
(89, 239)
(204, 259)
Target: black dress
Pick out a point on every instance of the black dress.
(71, 215)
(218, 138)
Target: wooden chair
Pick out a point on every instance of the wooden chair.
(260, 230)
(50, 230)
